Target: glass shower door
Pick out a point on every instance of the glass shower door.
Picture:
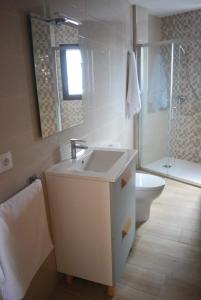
(156, 78)
(185, 127)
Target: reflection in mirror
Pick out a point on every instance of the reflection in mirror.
(58, 61)
(71, 71)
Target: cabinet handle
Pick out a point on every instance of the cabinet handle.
(125, 178)
(127, 227)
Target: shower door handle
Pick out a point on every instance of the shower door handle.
(173, 110)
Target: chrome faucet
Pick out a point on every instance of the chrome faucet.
(75, 146)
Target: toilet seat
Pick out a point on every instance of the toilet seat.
(148, 182)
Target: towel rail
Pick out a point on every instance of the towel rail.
(30, 180)
(33, 178)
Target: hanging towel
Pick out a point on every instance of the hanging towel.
(24, 240)
(133, 100)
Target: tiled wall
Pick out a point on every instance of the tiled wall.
(185, 142)
(44, 72)
(107, 32)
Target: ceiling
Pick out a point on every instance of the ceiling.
(167, 7)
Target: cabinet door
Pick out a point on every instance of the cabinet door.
(80, 214)
(122, 219)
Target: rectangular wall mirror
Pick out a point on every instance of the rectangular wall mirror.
(59, 72)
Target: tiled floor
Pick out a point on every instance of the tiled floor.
(165, 262)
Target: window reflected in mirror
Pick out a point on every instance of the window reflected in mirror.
(71, 71)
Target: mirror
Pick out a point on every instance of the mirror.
(58, 62)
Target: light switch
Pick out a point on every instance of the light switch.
(6, 162)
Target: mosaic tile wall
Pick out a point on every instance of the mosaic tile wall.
(43, 61)
(185, 140)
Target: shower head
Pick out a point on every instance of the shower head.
(58, 19)
(62, 19)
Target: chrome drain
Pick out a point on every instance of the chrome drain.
(167, 166)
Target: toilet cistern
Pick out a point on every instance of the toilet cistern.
(75, 146)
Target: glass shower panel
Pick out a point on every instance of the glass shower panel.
(156, 76)
(185, 130)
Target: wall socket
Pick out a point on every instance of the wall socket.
(6, 162)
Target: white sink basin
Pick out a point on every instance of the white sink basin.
(102, 161)
(97, 163)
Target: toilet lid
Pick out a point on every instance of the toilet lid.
(148, 181)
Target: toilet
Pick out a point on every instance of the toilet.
(148, 188)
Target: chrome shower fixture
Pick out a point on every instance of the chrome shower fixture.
(182, 49)
(61, 19)
(181, 98)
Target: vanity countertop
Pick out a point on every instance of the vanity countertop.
(79, 167)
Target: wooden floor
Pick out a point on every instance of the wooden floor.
(165, 262)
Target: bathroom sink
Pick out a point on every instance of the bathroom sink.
(102, 161)
(96, 163)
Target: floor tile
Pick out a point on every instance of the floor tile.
(176, 289)
(142, 279)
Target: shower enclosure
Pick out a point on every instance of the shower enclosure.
(170, 122)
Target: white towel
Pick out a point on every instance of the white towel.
(133, 100)
(24, 240)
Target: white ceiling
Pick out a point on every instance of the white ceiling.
(167, 7)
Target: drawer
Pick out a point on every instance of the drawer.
(121, 247)
(122, 219)
(122, 195)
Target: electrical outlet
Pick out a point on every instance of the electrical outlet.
(6, 162)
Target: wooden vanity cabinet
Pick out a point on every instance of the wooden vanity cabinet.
(93, 224)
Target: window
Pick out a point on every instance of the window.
(71, 71)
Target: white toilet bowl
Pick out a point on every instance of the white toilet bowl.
(148, 188)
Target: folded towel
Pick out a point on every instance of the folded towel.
(24, 240)
(133, 100)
